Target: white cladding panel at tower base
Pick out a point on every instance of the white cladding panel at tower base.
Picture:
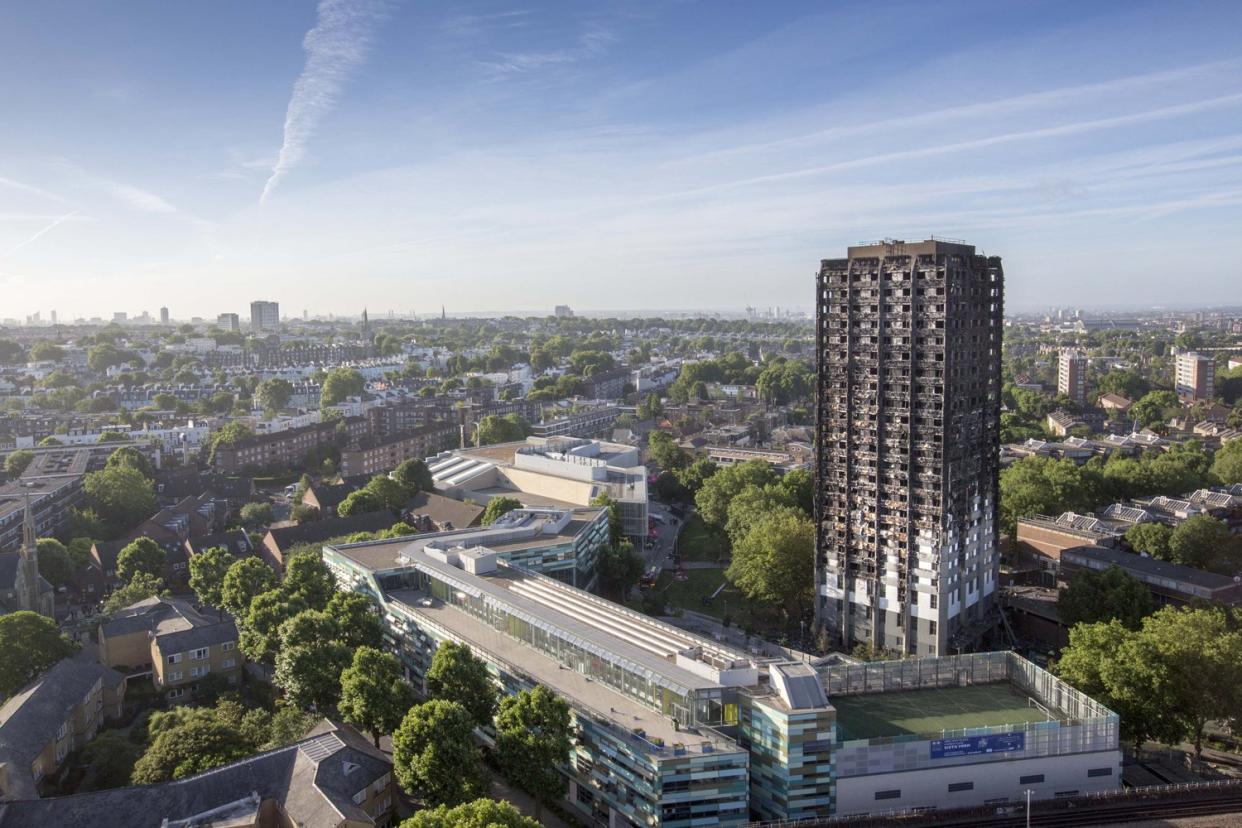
(988, 781)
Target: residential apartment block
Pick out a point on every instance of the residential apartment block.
(264, 316)
(174, 642)
(1195, 377)
(1072, 376)
(908, 419)
(286, 448)
(372, 455)
(54, 715)
(581, 424)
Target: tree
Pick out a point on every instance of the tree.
(17, 461)
(256, 514)
(1153, 408)
(121, 496)
(340, 384)
(1111, 594)
(273, 395)
(357, 623)
(498, 507)
(288, 725)
(79, 550)
(663, 449)
(754, 503)
(1150, 539)
(616, 531)
(46, 350)
(719, 490)
(308, 577)
(111, 757)
(54, 562)
(374, 695)
(1204, 542)
(189, 749)
(361, 502)
(774, 562)
(10, 352)
(1041, 485)
(245, 579)
(1227, 465)
(131, 458)
(207, 572)
(696, 474)
(800, 485)
(260, 632)
(496, 429)
(620, 567)
(457, 674)
(435, 755)
(142, 586)
(227, 435)
(480, 813)
(388, 493)
(310, 673)
(415, 476)
(31, 643)
(650, 408)
(141, 555)
(533, 740)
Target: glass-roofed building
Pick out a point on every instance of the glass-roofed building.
(677, 730)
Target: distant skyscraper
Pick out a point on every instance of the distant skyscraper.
(1195, 379)
(563, 312)
(53, 317)
(1072, 376)
(120, 316)
(908, 424)
(264, 316)
(163, 316)
(228, 322)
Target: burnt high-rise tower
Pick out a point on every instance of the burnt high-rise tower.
(907, 445)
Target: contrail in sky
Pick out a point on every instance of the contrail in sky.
(334, 49)
(47, 229)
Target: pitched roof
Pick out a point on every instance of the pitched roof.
(313, 780)
(444, 510)
(30, 719)
(329, 496)
(208, 635)
(236, 542)
(316, 531)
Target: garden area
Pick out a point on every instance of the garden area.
(697, 544)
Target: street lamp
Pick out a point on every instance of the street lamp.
(1028, 808)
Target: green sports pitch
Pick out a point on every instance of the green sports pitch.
(874, 715)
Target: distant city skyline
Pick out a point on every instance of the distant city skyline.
(491, 158)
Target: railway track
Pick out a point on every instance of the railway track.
(1118, 814)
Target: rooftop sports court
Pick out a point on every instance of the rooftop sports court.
(933, 710)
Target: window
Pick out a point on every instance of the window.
(175, 676)
(175, 658)
(892, 794)
(1065, 794)
(176, 693)
(1033, 779)
(227, 663)
(954, 787)
(226, 646)
(200, 654)
(1100, 772)
(195, 672)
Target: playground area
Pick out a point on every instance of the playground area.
(931, 711)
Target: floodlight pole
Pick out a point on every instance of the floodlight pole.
(1028, 808)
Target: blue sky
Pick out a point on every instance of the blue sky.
(508, 157)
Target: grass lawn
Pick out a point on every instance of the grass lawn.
(697, 544)
(730, 602)
(933, 710)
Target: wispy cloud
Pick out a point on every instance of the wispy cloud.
(334, 49)
(28, 188)
(47, 229)
(591, 43)
(462, 25)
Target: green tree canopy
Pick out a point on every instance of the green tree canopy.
(415, 476)
(245, 579)
(340, 384)
(142, 586)
(1150, 539)
(774, 562)
(308, 577)
(273, 395)
(1092, 596)
(374, 695)
(130, 457)
(1227, 465)
(435, 756)
(498, 507)
(533, 740)
(663, 449)
(192, 748)
(360, 502)
(620, 567)
(1204, 542)
(257, 514)
(260, 632)
(54, 562)
(121, 496)
(357, 622)
(31, 643)
(479, 813)
(507, 429)
(17, 461)
(207, 572)
(140, 555)
(456, 674)
(719, 490)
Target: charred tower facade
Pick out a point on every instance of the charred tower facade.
(907, 445)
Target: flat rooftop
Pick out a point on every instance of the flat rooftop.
(933, 710)
(379, 556)
(606, 703)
